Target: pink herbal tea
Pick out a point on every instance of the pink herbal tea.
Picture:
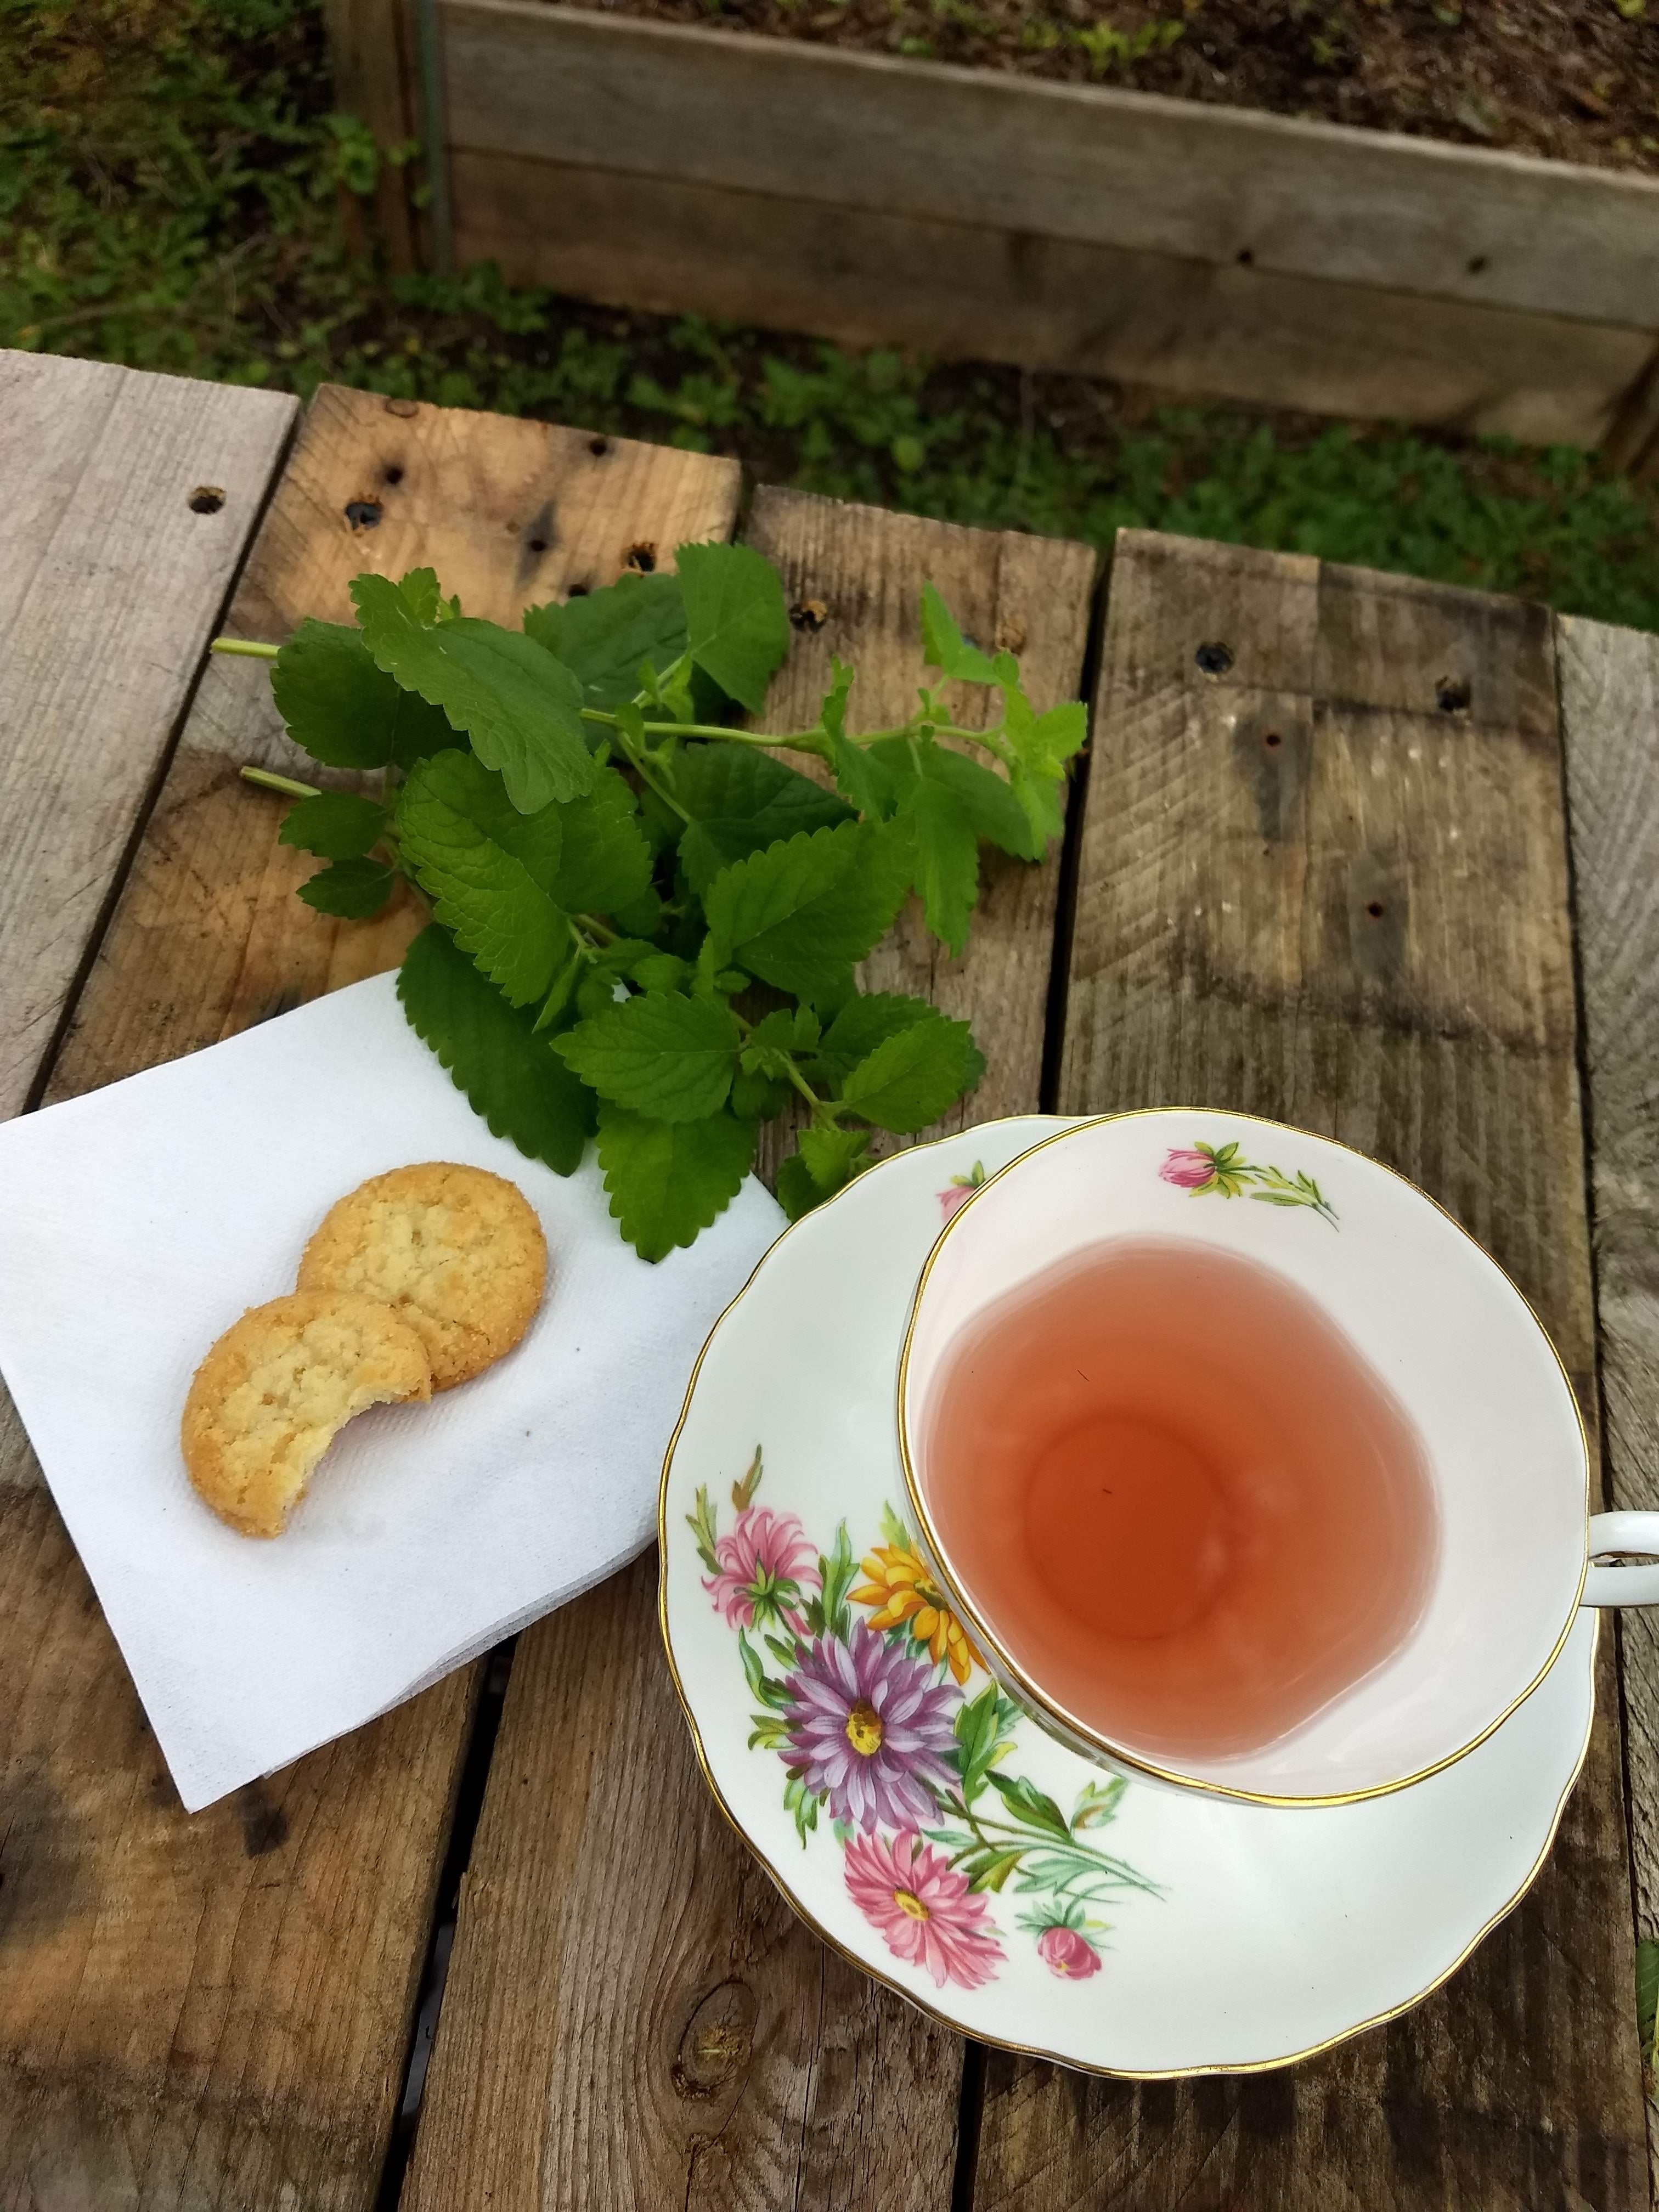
(1178, 1497)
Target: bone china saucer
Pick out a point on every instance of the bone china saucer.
(922, 1824)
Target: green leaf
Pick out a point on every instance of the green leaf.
(757, 1097)
(945, 647)
(910, 1080)
(838, 1569)
(741, 799)
(496, 908)
(605, 862)
(977, 1730)
(994, 807)
(422, 594)
(869, 1020)
(833, 1156)
(1042, 743)
(336, 825)
(523, 1091)
(737, 624)
(701, 1525)
(343, 710)
(991, 1869)
(800, 914)
(671, 1057)
(604, 635)
(352, 889)
(521, 708)
(1030, 1805)
(669, 1180)
(762, 1687)
(785, 1032)
(1098, 1803)
(659, 971)
(1039, 799)
(944, 867)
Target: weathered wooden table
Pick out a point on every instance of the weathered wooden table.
(1382, 859)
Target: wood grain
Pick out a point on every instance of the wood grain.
(782, 117)
(1308, 891)
(110, 584)
(612, 1930)
(1609, 713)
(372, 53)
(214, 2012)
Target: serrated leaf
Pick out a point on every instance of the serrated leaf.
(1039, 799)
(605, 636)
(336, 825)
(833, 1156)
(669, 1180)
(913, 1078)
(521, 708)
(522, 1090)
(671, 1057)
(1042, 743)
(741, 799)
(605, 862)
(801, 913)
(944, 864)
(352, 890)
(994, 807)
(737, 624)
(496, 908)
(869, 1020)
(422, 593)
(797, 1193)
(343, 710)
(945, 647)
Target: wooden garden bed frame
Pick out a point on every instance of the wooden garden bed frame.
(1202, 250)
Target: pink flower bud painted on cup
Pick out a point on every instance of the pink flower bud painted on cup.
(1188, 1170)
(962, 1188)
(1068, 1954)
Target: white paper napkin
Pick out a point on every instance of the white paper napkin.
(135, 1224)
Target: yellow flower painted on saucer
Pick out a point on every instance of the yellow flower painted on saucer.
(907, 1596)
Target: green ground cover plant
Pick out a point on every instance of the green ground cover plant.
(173, 176)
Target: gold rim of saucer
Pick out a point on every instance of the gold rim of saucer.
(890, 1981)
(1083, 1734)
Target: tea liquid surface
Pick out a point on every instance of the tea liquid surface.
(1179, 1495)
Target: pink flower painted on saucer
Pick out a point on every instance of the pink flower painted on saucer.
(961, 1189)
(924, 1909)
(861, 1690)
(1216, 1170)
(1068, 1953)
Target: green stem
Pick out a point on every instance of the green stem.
(248, 647)
(268, 780)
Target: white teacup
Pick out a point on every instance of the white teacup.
(1436, 1322)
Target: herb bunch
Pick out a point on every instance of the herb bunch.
(646, 925)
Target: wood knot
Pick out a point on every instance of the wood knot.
(714, 2049)
(642, 559)
(403, 407)
(1011, 634)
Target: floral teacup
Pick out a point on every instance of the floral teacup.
(1433, 1318)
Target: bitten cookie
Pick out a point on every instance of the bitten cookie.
(276, 1390)
(458, 1251)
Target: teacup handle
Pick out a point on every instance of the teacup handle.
(1622, 1584)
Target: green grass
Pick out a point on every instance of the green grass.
(172, 180)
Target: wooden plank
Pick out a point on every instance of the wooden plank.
(1088, 164)
(1308, 890)
(110, 583)
(216, 2011)
(1609, 715)
(970, 290)
(372, 50)
(612, 1930)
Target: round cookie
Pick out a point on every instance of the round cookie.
(276, 1390)
(458, 1251)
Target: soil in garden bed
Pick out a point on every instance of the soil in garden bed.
(1577, 80)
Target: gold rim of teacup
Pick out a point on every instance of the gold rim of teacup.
(1082, 1737)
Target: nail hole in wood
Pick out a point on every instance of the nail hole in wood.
(394, 474)
(538, 545)
(577, 591)
(362, 513)
(598, 447)
(1246, 259)
(206, 498)
(642, 559)
(1272, 738)
(1214, 659)
(1374, 908)
(1477, 264)
(1451, 694)
(809, 614)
